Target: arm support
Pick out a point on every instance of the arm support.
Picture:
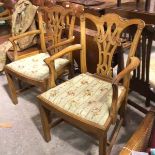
(14, 38)
(5, 18)
(24, 35)
(5, 13)
(63, 52)
(50, 62)
(133, 65)
(61, 43)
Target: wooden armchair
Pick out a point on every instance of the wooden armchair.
(34, 70)
(91, 102)
(140, 139)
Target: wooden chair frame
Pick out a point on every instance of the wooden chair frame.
(140, 139)
(43, 84)
(103, 72)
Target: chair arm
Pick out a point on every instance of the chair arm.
(4, 13)
(50, 62)
(5, 18)
(14, 38)
(70, 40)
(140, 139)
(133, 65)
(24, 35)
(63, 52)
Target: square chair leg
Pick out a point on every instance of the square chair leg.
(45, 114)
(12, 88)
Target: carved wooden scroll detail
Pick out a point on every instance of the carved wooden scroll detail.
(58, 19)
(109, 29)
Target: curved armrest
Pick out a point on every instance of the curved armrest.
(70, 40)
(24, 35)
(133, 65)
(14, 38)
(63, 52)
(5, 18)
(50, 61)
(5, 13)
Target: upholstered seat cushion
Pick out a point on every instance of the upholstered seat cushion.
(85, 96)
(34, 67)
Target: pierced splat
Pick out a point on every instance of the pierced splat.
(107, 40)
(55, 25)
(58, 20)
(109, 29)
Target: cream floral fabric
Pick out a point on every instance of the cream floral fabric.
(84, 96)
(4, 47)
(34, 67)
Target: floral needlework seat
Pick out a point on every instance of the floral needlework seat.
(85, 96)
(34, 67)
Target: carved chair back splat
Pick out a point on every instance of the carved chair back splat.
(59, 23)
(108, 38)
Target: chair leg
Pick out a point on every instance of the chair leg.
(123, 112)
(43, 87)
(71, 71)
(45, 114)
(12, 88)
(19, 83)
(147, 102)
(102, 144)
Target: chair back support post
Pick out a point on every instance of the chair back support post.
(83, 44)
(133, 49)
(42, 32)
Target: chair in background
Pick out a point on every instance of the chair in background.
(143, 77)
(92, 102)
(141, 138)
(34, 70)
(5, 26)
(23, 42)
(16, 54)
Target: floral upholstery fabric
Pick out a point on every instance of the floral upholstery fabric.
(4, 47)
(85, 96)
(34, 67)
